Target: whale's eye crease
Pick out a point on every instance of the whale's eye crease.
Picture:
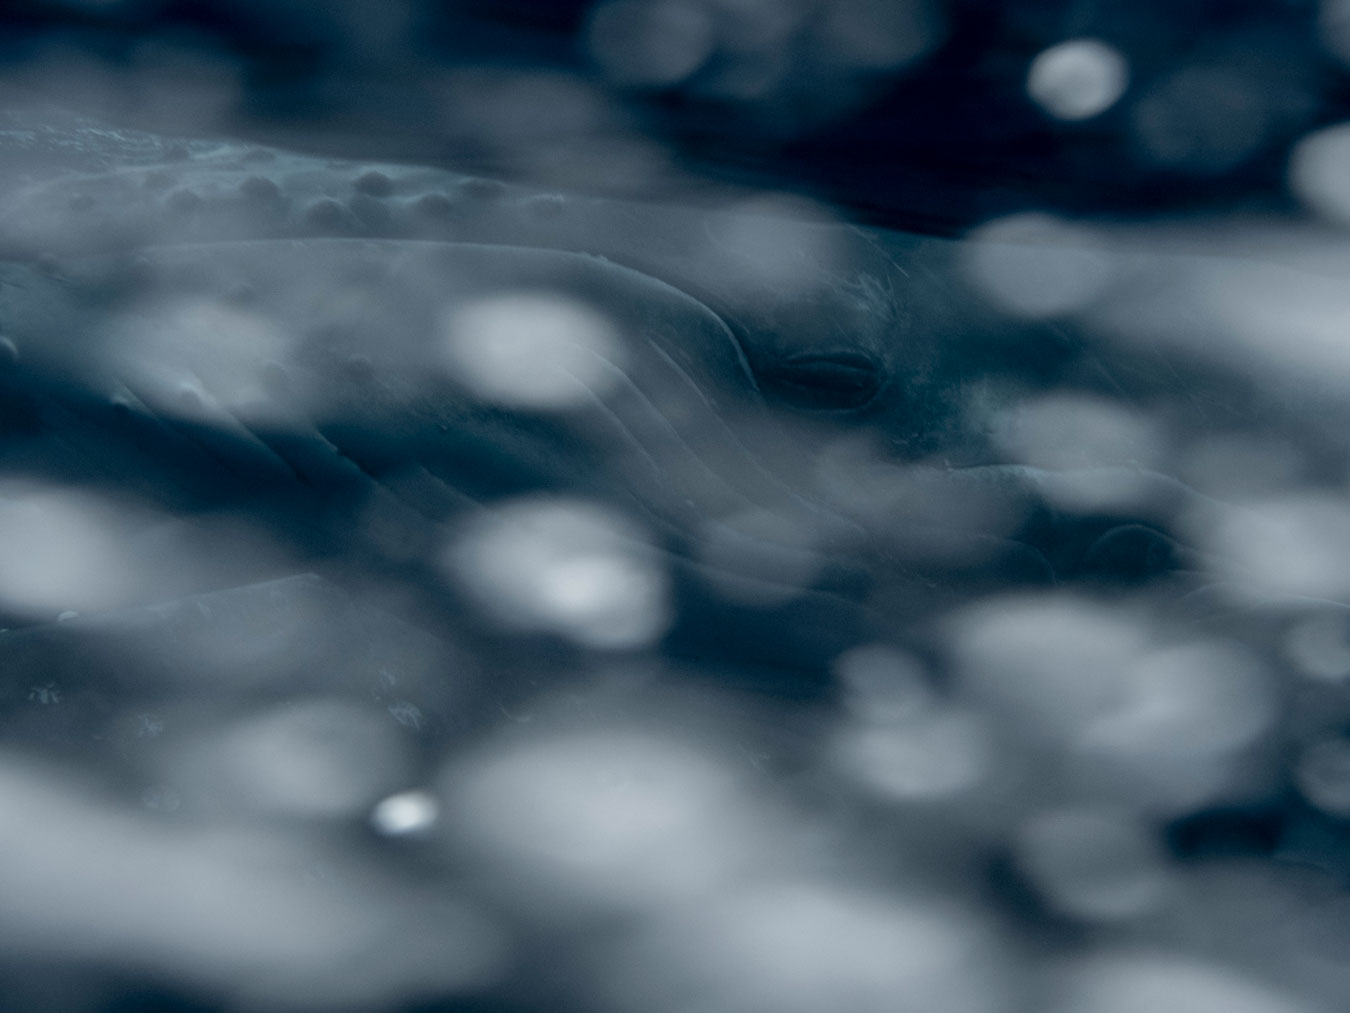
(821, 381)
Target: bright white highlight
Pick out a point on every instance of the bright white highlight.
(409, 812)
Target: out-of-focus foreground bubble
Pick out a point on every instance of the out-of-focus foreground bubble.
(608, 817)
(188, 354)
(312, 759)
(532, 350)
(564, 567)
(882, 684)
(408, 812)
(225, 909)
(770, 244)
(1286, 545)
(1319, 168)
(1320, 646)
(1037, 266)
(650, 43)
(1095, 864)
(64, 550)
(801, 946)
(1119, 983)
(1334, 27)
(936, 755)
(1078, 79)
(1068, 431)
(1161, 729)
(1204, 119)
(880, 34)
(1322, 774)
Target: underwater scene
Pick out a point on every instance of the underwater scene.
(681, 506)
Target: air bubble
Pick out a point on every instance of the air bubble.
(1078, 79)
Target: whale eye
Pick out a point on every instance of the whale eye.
(822, 381)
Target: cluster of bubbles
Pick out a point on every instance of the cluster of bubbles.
(1064, 728)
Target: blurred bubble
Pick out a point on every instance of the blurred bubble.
(1290, 544)
(1322, 773)
(933, 756)
(1130, 983)
(1172, 733)
(565, 567)
(1319, 172)
(63, 551)
(802, 947)
(1092, 863)
(925, 512)
(1289, 318)
(1078, 79)
(612, 815)
(1050, 664)
(879, 34)
(882, 684)
(772, 243)
(532, 350)
(1202, 119)
(1202, 697)
(189, 350)
(409, 812)
(650, 43)
(1320, 646)
(1037, 266)
(220, 908)
(1334, 27)
(1240, 463)
(1075, 431)
(311, 758)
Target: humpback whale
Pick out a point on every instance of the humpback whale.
(446, 574)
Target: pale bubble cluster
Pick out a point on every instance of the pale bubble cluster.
(690, 506)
